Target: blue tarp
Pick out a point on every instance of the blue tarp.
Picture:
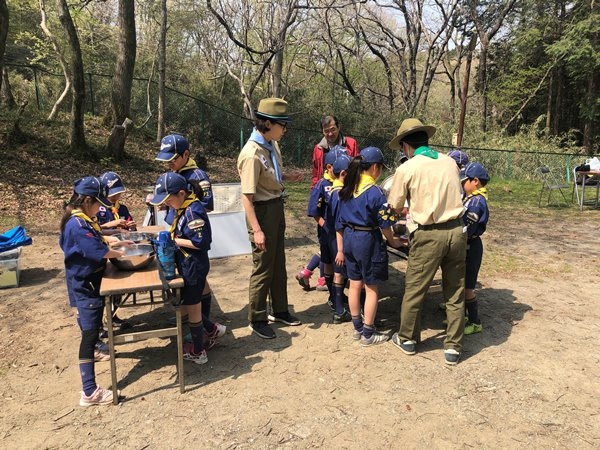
(13, 238)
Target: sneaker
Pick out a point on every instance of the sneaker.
(98, 397)
(472, 328)
(262, 329)
(376, 338)
(103, 347)
(198, 358)
(100, 356)
(451, 356)
(216, 333)
(356, 335)
(321, 285)
(284, 317)
(341, 318)
(408, 347)
(303, 278)
(331, 303)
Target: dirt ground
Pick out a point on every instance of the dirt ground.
(529, 379)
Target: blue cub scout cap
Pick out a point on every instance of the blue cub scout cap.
(341, 163)
(171, 146)
(372, 155)
(333, 154)
(114, 183)
(474, 170)
(92, 187)
(167, 184)
(459, 156)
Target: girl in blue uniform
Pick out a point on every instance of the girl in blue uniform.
(117, 215)
(191, 232)
(363, 212)
(339, 168)
(86, 251)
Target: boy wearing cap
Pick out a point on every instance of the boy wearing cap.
(363, 216)
(175, 150)
(260, 169)
(317, 209)
(460, 158)
(474, 178)
(86, 251)
(192, 234)
(430, 181)
(333, 139)
(339, 170)
(117, 216)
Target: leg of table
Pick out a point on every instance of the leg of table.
(111, 347)
(180, 349)
(582, 194)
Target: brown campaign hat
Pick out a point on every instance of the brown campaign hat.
(409, 126)
(273, 109)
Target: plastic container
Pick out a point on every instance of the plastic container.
(9, 268)
(165, 251)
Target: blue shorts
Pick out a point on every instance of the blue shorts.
(90, 318)
(474, 257)
(366, 256)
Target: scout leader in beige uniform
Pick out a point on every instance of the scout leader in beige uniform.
(430, 182)
(260, 169)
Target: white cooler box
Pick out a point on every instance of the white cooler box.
(9, 268)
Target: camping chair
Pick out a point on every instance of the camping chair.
(551, 184)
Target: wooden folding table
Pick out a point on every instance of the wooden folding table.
(123, 288)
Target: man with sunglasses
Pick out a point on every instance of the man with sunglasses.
(261, 173)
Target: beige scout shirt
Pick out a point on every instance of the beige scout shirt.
(432, 188)
(257, 173)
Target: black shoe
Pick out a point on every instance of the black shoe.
(285, 317)
(331, 303)
(341, 318)
(263, 329)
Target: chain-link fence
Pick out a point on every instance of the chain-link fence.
(222, 132)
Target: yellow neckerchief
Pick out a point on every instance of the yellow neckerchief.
(328, 177)
(337, 184)
(190, 164)
(481, 191)
(366, 181)
(187, 202)
(115, 209)
(93, 222)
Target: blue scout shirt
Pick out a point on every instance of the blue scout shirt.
(367, 208)
(476, 203)
(84, 250)
(318, 203)
(118, 210)
(192, 223)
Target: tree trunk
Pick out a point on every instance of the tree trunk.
(162, 59)
(117, 138)
(588, 127)
(6, 92)
(4, 20)
(123, 76)
(61, 59)
(77, 141)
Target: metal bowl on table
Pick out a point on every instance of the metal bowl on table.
(136, 256)
(138, 237)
